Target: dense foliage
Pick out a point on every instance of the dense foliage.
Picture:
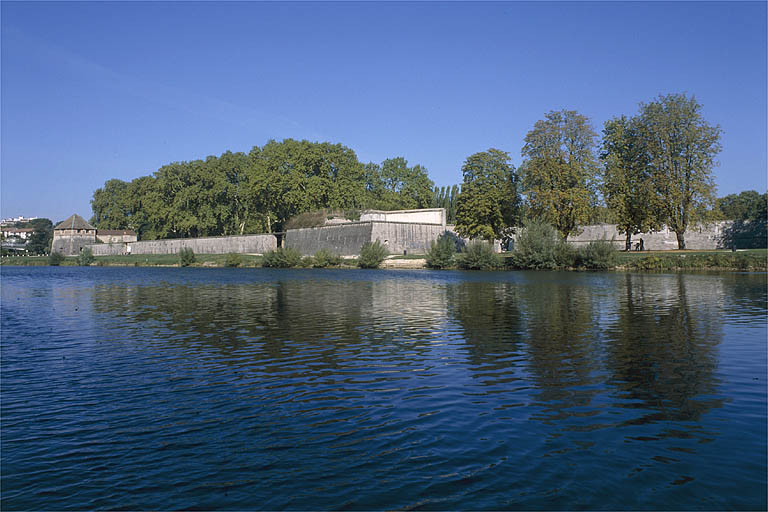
(627, 186)
(681, 148)
(55, 259)
(442, 252)
(85, 257)
(489, 200)
(747, 206)
(326, 258)
(479, 255)
(186, 256)
(233, 260)
(446, 197)
(237, 193)
(372, 255)
(560, 170)
(283, 257)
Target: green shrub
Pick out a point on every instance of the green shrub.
(538, 246)
(233, 260)
(479, 255)
(85, 257)
(442, 252)
(372, 254)
(282, 257)
(186, 256)
(599, 255)
(55, 259)
(325, 258)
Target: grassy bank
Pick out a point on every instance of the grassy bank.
(749, 260)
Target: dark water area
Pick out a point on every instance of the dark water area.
(143, 388)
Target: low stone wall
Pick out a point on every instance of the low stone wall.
(343, 239)
(242, 244)
(701, 237)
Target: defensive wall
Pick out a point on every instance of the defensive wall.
(243, 244)
(71, 244)
(423, 216)
(715, 235)
(346, 239)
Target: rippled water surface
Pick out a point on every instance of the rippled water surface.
(254, 389)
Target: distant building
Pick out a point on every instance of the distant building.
(71, 235)
(18, 233)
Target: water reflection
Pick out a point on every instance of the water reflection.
(298, 390)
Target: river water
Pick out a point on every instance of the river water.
(142, 388)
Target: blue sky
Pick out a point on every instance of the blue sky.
(93, 91)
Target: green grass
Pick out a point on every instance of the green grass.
(752, 259)
(139, 260)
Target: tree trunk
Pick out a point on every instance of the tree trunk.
(628, 246)
(680, 240)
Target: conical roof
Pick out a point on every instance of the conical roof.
(74, 222)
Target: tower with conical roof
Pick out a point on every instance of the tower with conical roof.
(71, 235)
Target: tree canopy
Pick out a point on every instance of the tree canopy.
(681, 148)
(627, 187)
(559, 170)
(489, 200)
(238, 193)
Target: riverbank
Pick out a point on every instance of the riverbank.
(746, 260)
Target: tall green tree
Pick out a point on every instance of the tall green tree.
(489, 200)
(394, 185)
(627, 186)
(42, 236)
(681, 147)
(111, 205)
(559, 170)
(748, 205)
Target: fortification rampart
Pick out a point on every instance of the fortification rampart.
(400, 237)
(703, 236)
(243, 244)
(423, 216)
(71, 244)
(343, 239)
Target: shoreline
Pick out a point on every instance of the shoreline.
(753, 260)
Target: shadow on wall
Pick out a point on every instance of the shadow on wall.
(746, 235)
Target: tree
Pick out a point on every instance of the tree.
(748, 205)
(42, 236)
(395, 186)
(627, 186)
(559, 170)
(681, 149)
(489, 200)
(110, 205)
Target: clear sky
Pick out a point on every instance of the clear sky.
(93, 91)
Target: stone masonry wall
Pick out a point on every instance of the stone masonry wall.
(703, 236)
(401, 236)
(71, 245)
(343, 239)
(243, 244)
(423, 216)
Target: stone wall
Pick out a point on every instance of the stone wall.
(703, 236)
(409, 237)
(242, 244)
(423, 216)
(343, 239)
(71, 245)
